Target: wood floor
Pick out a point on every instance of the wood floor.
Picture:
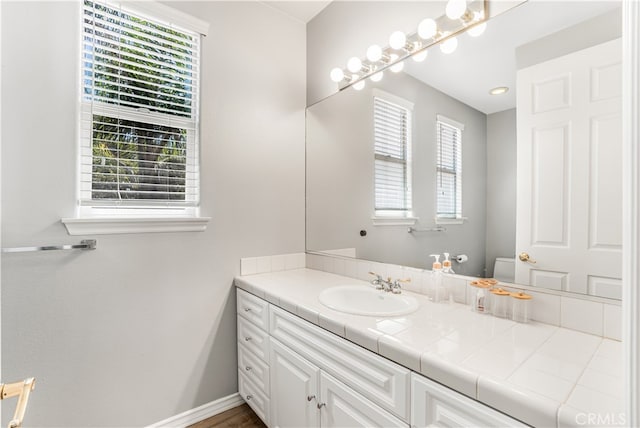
(238, 417)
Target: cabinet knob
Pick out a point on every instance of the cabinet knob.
(249, 397)
(248, 368)
(311, 397)
(321, 405)
(247, 309)
(247, 338)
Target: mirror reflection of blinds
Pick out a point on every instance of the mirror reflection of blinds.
(449, 171)
(392, 128)
(139, 110)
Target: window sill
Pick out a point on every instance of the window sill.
(112, 226)
(394, 221)
(451, 220)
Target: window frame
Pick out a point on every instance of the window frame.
(457, 171)
(395, 216)
(110, 216)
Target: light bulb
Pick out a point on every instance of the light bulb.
(374, 53)
(354, 64)
(455, 9)
(397, 67)
(359, 86)
(449, 45)
(337, 75)
(427, 28)
(397, 40)
(419, 57)
(377, 76)
(477, 30)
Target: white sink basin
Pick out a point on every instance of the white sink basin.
(364, 300)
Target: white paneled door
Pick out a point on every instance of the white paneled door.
(569, 203)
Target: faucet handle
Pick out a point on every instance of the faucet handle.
(378, 281)
(396, 288)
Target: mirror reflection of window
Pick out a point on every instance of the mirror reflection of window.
(392, 148)
(449, 170)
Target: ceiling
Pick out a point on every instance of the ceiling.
(301, 10)
(482, 63)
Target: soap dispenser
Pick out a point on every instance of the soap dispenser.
(446, 264)
(438, 292)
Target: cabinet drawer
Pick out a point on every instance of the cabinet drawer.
(380, 380)
(256, 340)
(253, 308)
(257, 371)
(435, 405)
(253, 397)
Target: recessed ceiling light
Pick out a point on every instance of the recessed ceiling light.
(499, 90)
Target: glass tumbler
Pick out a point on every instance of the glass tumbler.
(521, 307)
(500, 302)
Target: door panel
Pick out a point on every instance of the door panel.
(343, 407)
(569, 189)
(294, 388)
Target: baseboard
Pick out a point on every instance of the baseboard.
(205, 411)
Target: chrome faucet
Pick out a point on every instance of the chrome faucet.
(388, 285)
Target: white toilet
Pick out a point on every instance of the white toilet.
(504, 269)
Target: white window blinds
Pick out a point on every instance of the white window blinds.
(392, 142)
(449, 169)
(139, 124)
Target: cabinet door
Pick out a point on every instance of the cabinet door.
(294, 389)
(343, 407)
(435, 406)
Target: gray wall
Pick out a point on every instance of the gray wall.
(501, 186)
(340, 177)
(143, 328)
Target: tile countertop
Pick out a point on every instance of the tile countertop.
(544, 375)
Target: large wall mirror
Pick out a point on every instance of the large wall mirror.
(540, 164)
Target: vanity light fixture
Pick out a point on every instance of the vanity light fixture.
(477, 30)
(374, 53)
(397, 40)
(354, 64)
(460, 16)
(499, 90)
(449, 45)
(455, 9)
(376, 77)
(427, 29)
(420, 56)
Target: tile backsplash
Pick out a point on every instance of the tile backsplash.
(581, 313)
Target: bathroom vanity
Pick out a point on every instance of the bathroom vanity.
(303, 364)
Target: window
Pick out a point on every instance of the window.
(392, 146)
(449, 170)
(139, 112)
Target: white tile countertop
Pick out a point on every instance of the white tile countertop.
(544, 375)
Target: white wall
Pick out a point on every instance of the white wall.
(143, 328)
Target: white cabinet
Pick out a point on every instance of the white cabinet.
(253, 353)
(296, 374)
(434, 405)
(343, 407)
(294, 387)
(303, 395)
(376, 378)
